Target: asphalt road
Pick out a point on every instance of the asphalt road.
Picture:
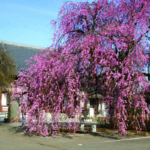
(12, 138)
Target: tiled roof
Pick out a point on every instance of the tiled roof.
(20, 52)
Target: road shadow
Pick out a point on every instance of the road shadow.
(19, 130)
(105, 135)
(110, 135)
(65, 135)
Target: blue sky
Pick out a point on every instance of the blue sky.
(28, 21)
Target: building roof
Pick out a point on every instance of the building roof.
(20, 52)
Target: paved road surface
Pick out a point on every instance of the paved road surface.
(12, 138)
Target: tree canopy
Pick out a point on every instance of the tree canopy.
(98, 47)
(7, 68)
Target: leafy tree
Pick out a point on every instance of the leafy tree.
(7, 68)
(99, 49)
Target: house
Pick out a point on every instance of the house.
(20, 53)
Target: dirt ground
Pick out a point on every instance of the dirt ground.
(12, 137)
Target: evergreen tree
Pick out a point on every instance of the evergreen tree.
(7, 68)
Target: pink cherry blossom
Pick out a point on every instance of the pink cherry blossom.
(98, 47)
